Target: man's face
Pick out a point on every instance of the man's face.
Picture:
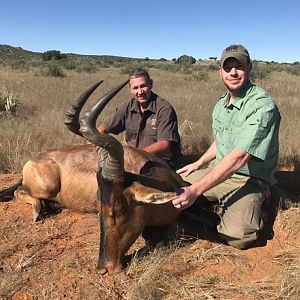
(140, 89)
(235, 75)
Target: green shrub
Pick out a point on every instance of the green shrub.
(18, 65)
(88, 68)
(294, 70)
(129, 67)
(102, 64)
(213, 67)
(186, 60)
(53, 55)
(52, 70)
(260, 71)
(69, 65)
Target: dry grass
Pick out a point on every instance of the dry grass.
(44, 101)
(149, 278)
(290, 283)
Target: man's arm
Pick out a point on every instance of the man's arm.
(231, 163)
(159, 147)
(223, 170)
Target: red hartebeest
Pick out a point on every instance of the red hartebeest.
(129, 183)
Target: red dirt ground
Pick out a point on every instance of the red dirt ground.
(56, 258)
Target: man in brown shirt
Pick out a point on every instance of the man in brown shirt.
(149, 122)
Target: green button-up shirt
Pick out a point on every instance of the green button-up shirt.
(251, 123)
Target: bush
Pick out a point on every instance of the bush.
(53, 55)
(68, 65)
(213, 67)
(88, 68)
(53, 71)
(294, 70)
(260, 71)
(186, 60)
(9, 104)
(18, 65)
(128, 68)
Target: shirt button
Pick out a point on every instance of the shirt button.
(228, 111)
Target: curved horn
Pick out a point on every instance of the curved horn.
(72, 114)
(97, 108)
(113, 167)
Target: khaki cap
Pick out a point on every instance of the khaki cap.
(238, 52)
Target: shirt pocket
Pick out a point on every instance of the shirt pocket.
(151, 128)
(218, 131)
(233, 134)
(131, 136)
(218, 126)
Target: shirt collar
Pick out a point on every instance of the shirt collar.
(238, 100)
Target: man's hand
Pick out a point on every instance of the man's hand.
(188, 169)
(185, 198)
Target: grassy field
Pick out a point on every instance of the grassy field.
(56, 258)
(42, 101)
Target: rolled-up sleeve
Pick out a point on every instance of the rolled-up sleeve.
(167, 128)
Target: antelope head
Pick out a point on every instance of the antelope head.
(122, 217)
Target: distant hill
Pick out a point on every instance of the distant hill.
(18, 58)
(8, 52)
(12, 53)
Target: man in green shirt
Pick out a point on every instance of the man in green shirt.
(245, 149)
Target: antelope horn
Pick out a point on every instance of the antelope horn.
(113, 166)
(97, 108)
(72, 114)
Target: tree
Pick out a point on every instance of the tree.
(186, 60)
(53, 55)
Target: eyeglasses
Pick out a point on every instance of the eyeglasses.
(228, 68)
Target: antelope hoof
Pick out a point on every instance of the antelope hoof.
(102, 270)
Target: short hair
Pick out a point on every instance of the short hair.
(140, 72)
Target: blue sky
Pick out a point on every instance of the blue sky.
(155, 29)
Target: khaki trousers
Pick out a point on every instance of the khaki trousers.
(240, 202)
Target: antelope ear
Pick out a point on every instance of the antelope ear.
(145, 194)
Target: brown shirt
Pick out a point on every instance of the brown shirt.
(157, 123)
